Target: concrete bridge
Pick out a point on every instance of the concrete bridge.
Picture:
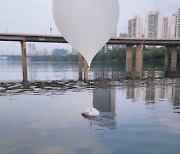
(60, 39)
(170, 44)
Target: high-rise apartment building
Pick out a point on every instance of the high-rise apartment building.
(154, 25)
(178, 24)
(135, 27)
(174, 29)
(172, 26)
(165, 27)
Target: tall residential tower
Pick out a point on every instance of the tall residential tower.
(154, 25)
(165, 27)
(135, 27)
(174, 29)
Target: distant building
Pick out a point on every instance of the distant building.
(68, 51)
(31, 49)
(105, 48)
(108, 47)
(165, 27)
(174, 29)
(123, 35)
(178, 24)
(42, 52)
(74, 52)
(154, 25)
(135, 27)
(59, 52)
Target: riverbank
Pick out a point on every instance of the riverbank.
(153, 54)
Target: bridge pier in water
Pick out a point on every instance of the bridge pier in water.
(83, 68)
(80, 64)
(129, 61)
(139, 61)
(171, 43)
(85, 71)
(170, 59)
(166, 63)
(174, 59)
(24, 62)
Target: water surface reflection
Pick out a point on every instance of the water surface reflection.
(136, 116)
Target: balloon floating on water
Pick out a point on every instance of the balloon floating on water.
(91, 112)
(86, 24)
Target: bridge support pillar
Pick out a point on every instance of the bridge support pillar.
(167, 52)
(85, 71)
(80, 63)
(24, 62)
(139, 61)
(129, 61)
(173, 59)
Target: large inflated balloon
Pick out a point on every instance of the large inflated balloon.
(86, 24)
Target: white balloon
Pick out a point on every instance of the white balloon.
(86, 24)
(91, 112)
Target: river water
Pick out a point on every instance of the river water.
(136, 116)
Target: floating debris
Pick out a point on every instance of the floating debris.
(91, 112)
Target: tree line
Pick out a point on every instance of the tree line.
(116, 55)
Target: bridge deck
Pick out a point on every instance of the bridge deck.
(60, 39)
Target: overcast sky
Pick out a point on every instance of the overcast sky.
(35, 17)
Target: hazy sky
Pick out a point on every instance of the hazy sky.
(35, 17)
